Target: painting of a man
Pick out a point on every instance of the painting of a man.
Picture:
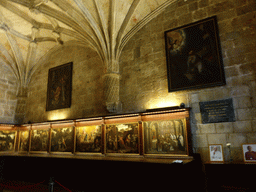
(216, 153)
(250, 154)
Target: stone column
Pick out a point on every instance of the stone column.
(112, 83)
(20, 109)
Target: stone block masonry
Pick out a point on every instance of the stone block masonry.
(237, 31)
(143, 76)
(8, 99)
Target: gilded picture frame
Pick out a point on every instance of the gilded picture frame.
(62, 139)
(24, 136)
(39, 141)
(122, 138)
(165, 137)
(194, 57)
(59, 89)
(89, 139)
(8, 140)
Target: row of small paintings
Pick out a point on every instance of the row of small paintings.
(217, 155)
(168, 137)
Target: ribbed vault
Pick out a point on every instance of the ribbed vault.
(30, 29)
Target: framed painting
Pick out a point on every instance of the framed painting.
(122, 138)
(167, 137)
(59, 87)
(216, 153)
(249, 153)
(88, 139)
(193, 54)
(24, 141)
(7, 140)
(62, 139)
(39, 140)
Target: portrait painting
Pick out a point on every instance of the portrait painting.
(249, 153)
(216, 153)
(59, 87)
(39, 140)
(193, 56)
(24, 141)
(88, 139)
(7, 140)
(122, 138)
(165, 137)
(62, 139)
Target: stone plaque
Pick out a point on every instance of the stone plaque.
(217, 111)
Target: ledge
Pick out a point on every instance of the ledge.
(128, 158)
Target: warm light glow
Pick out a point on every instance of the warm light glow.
(57, 115)
(164, 102)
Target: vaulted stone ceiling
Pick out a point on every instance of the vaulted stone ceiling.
(31, 29)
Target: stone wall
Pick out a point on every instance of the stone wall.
(87, 86)
(144, 73)
(8, 99)
(144, 76)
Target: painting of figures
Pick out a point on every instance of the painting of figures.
(24, 141)
(59, 87)
(39, 140)
(122, 138)
(7, 140)
(165, 137)
(88, 139)
(194, 56)
(62, 140)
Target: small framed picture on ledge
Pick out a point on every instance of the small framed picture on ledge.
(216, 153)
(249, 153)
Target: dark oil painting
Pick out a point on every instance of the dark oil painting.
(59, 87)
(39, 140)
(24, 141)
(7, 140)
(88, 138)
(165, 137)
(122, 138)
(62, 139)
(193, 56)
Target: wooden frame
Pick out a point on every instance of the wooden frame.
(249, 153)
(193, 56)
(63, 138)
(59, 87)
(216, 153)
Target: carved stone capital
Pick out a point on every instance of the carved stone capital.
(114, 107)
(22, 91)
